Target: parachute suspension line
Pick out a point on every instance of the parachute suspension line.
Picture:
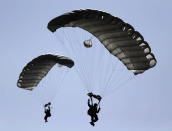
(110, 77)
(125, 81)
(97, 60)
(62, 43)
(121, 76)
(87, 54)
(103, 67)
(123, 72)
(62, 80)
(88, 62)
(92, 68)
(80, 61)
(81, 69)
(44, 94)
(54, 89)
(121, 85)
(121, 80)
(83, 63)
(114, 83)
(69, 52)
(69, 40)
(93, 62)
(66, 47)
(110, 73)
(91, 38)
(118, 73)
(71, 44)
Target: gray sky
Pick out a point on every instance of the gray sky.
(144, 104)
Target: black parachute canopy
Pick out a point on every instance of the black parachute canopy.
(39, 67)
(118, 37)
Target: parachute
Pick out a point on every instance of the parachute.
(119, 38)
(38, 68)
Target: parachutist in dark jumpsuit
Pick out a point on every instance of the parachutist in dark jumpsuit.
(93, 109)
(47, 111)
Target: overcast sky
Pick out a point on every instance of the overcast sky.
(144, 104)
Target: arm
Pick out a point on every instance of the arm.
(44, 107)
(91, 95)
(89, 103)
(98, 110)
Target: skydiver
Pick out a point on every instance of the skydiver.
(47, 111)
(93, 108)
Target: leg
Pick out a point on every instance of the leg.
(92, 121)
(96, 118)
(45, 118)
(92, 118)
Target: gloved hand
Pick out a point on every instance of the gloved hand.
(90, 94)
